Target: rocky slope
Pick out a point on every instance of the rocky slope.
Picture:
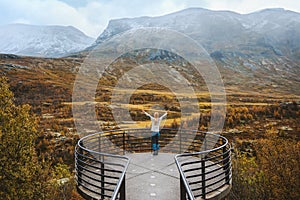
(260, 48)
(276, 30)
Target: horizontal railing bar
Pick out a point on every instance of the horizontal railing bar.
(216, 163)
(99, 162)
(133, 140)
(91, 145)
(98, 168)
(217, 188)
(192, 169)
(202, 152)
(207, 186)
(99, 153)
(206, 173)
(214, 170)
(94, 179)
(203, 159)
(214, 183)
(218, 156)
(92, 191)
(95, 173)
(102, 154)
(95, 186)
(207, 179)
(95, 167)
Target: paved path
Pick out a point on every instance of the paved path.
(152, 177)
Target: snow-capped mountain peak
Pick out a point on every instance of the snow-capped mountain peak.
(42, 41)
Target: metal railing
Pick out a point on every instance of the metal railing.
(101, 163)
(139, 140)
(99, 175)
(207, 173)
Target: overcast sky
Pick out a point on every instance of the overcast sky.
(92, 16)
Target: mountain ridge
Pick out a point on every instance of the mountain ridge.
(42, 41)
(117, 26)
(262, 47)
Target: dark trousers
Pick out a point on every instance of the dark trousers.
(154, 141)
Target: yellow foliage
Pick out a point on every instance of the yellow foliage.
(274, 173)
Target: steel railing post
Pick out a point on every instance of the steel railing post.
(226, 163)
(87, 158)
(182, 190)
(203, 177)
(79, 158)
(102, 180)
(123, 190)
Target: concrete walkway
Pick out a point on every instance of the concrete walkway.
(152, 177)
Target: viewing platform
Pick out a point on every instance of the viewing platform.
(119, 165)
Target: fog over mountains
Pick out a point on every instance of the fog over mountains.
(263, 47)
(275, 30)
(42, 41)
(261, 44)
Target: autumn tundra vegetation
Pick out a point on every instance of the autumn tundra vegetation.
(38, 134)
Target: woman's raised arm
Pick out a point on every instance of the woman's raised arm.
(163, 115)
(147, 114)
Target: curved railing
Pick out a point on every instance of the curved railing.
(206, 174)
(99, 175)
(101, 163)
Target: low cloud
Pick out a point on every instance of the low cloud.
(248, 6)
(92, 16)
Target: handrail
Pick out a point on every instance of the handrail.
(120, 185)
(95, 152)
(184, 186)
(101, 163)
(223, 178)
(87, 165)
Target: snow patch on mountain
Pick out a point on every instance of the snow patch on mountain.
(217, 29)
(256, 45)
(42, 41)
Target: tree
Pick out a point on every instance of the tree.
(273, 173)
(20, 172)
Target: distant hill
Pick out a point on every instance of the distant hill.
(270, 31)
(42, 41)
(252, 51)
(261, 48)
